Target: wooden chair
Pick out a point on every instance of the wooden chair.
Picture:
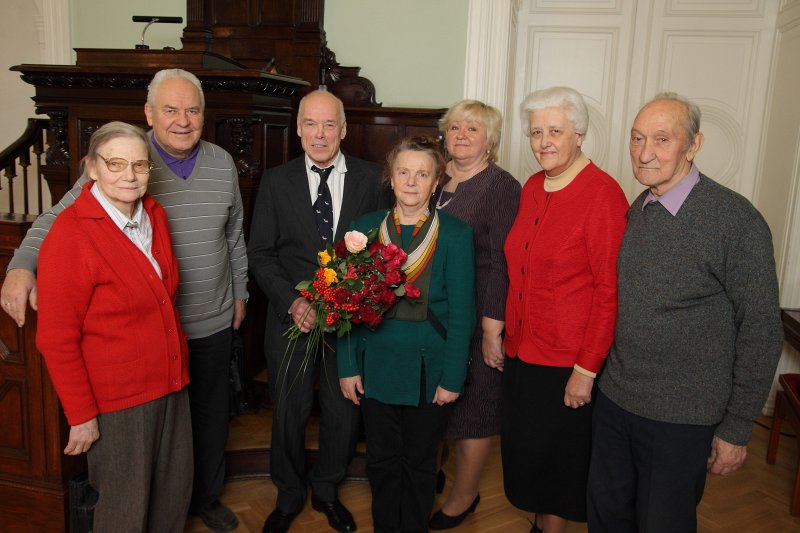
(787, 405)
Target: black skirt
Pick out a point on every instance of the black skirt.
(545, 445)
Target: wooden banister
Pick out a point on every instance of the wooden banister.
(30, 146)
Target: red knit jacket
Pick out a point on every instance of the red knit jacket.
(108, 328)
(561, 254)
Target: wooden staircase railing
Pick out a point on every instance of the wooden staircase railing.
(25, 152)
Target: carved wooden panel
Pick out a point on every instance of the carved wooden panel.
(372, 131)
(254, 32)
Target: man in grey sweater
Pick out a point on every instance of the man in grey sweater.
(197, 184)
(697, 339)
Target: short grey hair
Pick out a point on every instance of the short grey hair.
(171, 74)
(692, 124)
(107, 133)
(566, 98)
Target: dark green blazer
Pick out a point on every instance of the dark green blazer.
(390, 358)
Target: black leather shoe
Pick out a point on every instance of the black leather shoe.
(439, 520)
(278, 522)
(534, 527)
(217, 517)
(339, 518)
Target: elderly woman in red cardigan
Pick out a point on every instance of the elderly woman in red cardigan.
(109, 332)
(560, 311)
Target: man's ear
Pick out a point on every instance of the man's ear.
(148, 112)
(697, 143)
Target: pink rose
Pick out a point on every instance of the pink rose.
(355, 241)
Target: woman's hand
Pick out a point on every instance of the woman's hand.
(351, 388)
(443, 396)
(578, 391)
(82, 436)
(492, 345)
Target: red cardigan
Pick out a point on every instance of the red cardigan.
(108, 328)
(561, 253)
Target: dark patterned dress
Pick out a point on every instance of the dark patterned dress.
(488, 202)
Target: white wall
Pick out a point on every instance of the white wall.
(107, 24)
(413, 51)
(20, 42)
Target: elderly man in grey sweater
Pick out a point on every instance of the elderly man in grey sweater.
(697, 339)
(197, 184)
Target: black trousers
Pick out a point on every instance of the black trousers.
(401, 462)
(209, 372)
(292, 381)
(645, 476)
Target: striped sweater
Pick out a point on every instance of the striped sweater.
(205, 217)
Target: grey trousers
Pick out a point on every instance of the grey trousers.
(142, 467)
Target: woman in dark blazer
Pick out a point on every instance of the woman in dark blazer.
(407, 373)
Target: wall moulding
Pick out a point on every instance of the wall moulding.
(593, 7)
(698, 8)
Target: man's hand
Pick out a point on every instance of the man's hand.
(725, 457)
(239, 312)
(19, 288)
(82, 436)
(303, 315)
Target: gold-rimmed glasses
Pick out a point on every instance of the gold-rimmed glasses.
(118, 164)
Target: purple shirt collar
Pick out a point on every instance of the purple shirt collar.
(180, 167)
(673, 199)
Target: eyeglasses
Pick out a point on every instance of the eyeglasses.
(118, 164)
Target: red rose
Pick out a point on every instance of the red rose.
(387, 299)
(340, 295)
(356, 298)
(412, 291)
(340, 249)
(392, 277)
(368, 314)
(375, 247)
(389, 251)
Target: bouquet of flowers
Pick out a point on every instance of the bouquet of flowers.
(357, 281)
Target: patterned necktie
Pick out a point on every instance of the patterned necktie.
(323, 206)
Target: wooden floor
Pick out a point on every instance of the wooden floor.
(752, 500)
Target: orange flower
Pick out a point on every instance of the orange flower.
(330, 276)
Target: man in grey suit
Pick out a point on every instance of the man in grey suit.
(302, 206)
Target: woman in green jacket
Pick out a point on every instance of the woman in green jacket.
(407, 372)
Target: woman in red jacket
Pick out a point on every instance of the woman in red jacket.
(109, 332)
(560, 311)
